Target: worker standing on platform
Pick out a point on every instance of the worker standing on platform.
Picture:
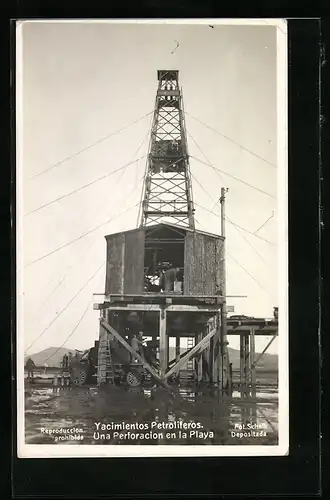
(150, 354)
(137, 346)
(170, 276)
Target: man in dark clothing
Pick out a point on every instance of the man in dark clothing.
(65, 361)
(170, 276)
(137, 346)
(150, 354)
(29, 366)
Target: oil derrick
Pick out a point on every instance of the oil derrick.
(167, 195)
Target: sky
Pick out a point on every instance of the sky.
(85, 82)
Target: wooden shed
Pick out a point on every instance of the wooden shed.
(133, 255)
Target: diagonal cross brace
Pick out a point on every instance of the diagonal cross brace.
(120, 339)
(254, 365)
(203, 344)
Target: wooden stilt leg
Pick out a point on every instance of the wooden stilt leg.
(163, 360)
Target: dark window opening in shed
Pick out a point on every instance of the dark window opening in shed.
(164, 259)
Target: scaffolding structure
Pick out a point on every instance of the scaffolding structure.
(167, 189)
(197, 311)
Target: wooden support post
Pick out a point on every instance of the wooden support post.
(252, 363)
(167, 349)
(253, 372)
(216, 352)
(197, 357)
(212, 363)
(130, 336)
(163, 361)
(246, 365)
(224, 364)
(177, 348)
(222, 317)
(207, 356)
(244, 374)
(200, 360)
(241, 364)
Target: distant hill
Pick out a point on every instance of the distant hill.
(55, 355)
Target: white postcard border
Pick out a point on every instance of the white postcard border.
(64, 451)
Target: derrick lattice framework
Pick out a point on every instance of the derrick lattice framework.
(167, 195)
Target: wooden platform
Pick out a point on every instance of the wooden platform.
(173, 302)
(164, 297)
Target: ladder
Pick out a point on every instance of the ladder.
(191, 362)
(105, 365)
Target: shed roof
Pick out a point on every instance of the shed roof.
(163, 224)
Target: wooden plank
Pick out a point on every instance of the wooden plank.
(209, 266)
(156, 307)
(98, 307)
(272, 330)
(115, 261)
(160, 295)
(120, 339)
(220, 265)
(189, 355)
(204, 266)
(194, 250)
(151, 295)
(212, 308)
(134, 262)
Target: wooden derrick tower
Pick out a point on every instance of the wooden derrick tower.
(167, 189)
(193, 308)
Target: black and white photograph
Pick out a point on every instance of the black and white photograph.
(152, 281)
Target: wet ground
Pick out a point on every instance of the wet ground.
(117, 415)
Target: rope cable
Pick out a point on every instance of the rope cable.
(81, 236)
(65, 307)
(232, 141)
(235, 178)
(82, 187)
(91, 145)
(234, 224)
(72, 332)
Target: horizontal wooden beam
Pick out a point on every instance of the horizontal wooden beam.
(159, 295)
(192, 353)
(245, 330)
(134, 295)
(211, 308)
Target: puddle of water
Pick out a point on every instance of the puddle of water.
(80, 408)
